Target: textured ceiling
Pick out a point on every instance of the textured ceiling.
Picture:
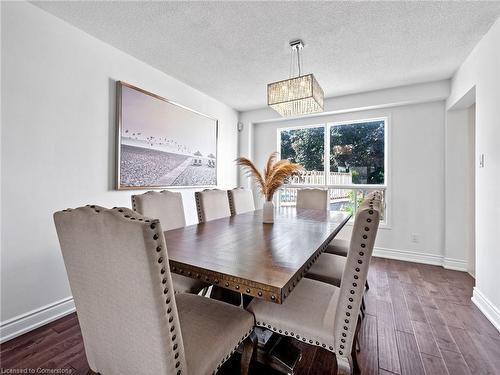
(231, 50)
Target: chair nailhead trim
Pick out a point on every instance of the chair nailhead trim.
(311, 341)
(350, 323)
(201, 219)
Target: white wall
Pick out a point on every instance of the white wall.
(481, 70)
(416, 175)
(58, 133)
(459, 186)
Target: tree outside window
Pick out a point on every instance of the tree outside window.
(359, 148)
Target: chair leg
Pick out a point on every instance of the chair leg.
(354, 354)
(249, 351)
(362, 308)
(356, 369)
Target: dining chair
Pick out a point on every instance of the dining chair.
(316, 199)
(167, 206)
(324, 315)
(131, 321)
(330, 265)
(240, 201)
(212, 204)
(340, 246)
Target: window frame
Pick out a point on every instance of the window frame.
(326, 164)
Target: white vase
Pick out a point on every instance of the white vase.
(268, 212)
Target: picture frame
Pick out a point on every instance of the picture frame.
(162, 144)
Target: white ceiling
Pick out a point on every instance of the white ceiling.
(231, 50)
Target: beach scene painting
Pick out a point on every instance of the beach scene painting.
(163, 144)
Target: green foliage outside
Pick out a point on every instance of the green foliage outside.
(305, 147)
(350, 207)
(364, 154)
(357, 148)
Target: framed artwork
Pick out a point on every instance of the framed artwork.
(162, 144)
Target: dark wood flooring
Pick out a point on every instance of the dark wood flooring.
(419, 320)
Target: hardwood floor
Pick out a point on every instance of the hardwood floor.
(419, 320)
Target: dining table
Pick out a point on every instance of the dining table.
(242, 255)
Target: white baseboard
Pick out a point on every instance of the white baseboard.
(418, 257)
(455, 264)
(490, 311)
(408, 256)
(36, 318)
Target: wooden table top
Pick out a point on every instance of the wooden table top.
(242, 254)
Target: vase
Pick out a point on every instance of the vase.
(268, 212)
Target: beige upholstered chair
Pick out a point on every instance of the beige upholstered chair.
(212, 205)
(316, 199)
(167, 206)
(240, 201)
(322, 314)
(339, 246)
(330, 266)
(131, 321)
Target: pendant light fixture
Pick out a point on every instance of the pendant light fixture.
(298, 95)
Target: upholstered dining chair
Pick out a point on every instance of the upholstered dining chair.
(340, 246)
(316, 199)
(322, 314)
(240, 201)
(131, 321)
(212, 204)
(330, 266)
(167, 206)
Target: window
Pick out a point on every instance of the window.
(305, 146)
(354, 153)
(358, 148)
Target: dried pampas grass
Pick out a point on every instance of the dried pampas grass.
(274, 176)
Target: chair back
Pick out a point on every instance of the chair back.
(164, 205)
(117, 267)
(352, 286)
(212, 204)
(240, 201)
(377, 199)
(316, 199)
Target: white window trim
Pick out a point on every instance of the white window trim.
(386, 224)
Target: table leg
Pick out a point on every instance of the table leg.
(277, 352)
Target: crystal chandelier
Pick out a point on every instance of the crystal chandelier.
(298, 95)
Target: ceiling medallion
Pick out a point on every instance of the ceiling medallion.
(298, 95)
